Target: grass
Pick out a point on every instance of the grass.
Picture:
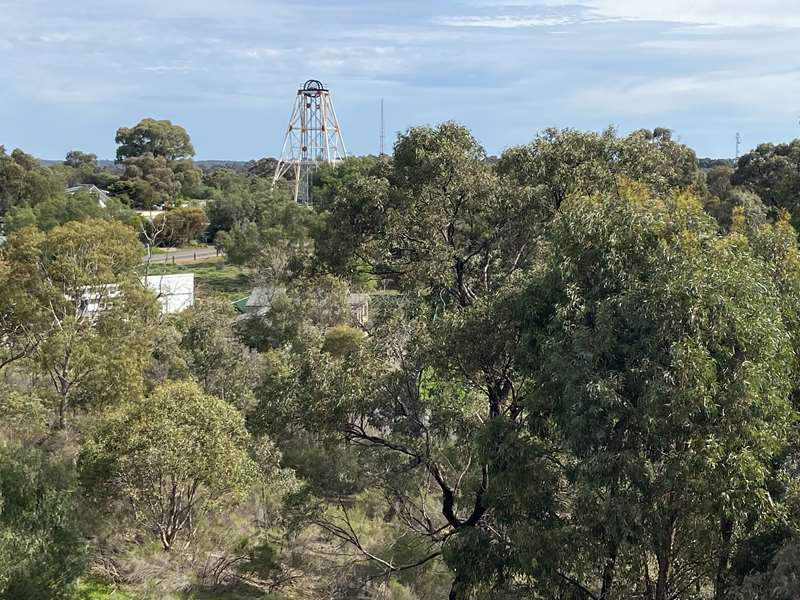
(98, 590)
(210, 278)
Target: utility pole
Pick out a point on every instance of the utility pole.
(383, 131)
(312, 137)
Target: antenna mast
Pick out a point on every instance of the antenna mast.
(312, 137)
(383, 131)
(738, 142)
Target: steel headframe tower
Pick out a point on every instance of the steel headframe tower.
(313, 137)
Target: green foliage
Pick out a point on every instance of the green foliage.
(158, 166)
(148, 181)
(153, 137)
(661, 351)
(560, 163)
(64, 208)
(291, 314)
(178, 226)
(247, 220)
(773, 172)
(343, 341)
(42, 551)
(23, 182)
(583, 382)
(77, 159)
(78, 309)
(171, 456)
(222, 365)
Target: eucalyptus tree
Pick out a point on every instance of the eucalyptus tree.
(773, 172)
(170, 458)
(73, 302)
(443, 401)
(665, 360)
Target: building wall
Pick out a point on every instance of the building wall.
(174, 292)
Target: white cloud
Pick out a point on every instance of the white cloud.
(502, 21)
(724, 13)
(718, 13)
(758, 94)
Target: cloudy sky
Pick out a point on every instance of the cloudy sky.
(227, 70)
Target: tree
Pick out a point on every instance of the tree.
(453, 235)
(42, 550)
(171, 457)
(24, 182)
(559, 163)
(350, 199)
(77, 159)
(246, 219)
(63, 208)
(190, 179)
(221, 364)
(158, 138)
(238, 199)
(773, 172)
(148, 180)
(443, 400)
(661, 350)
(81, 309)
(180, 225)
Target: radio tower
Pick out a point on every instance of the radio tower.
(313, 137)
(383, 131)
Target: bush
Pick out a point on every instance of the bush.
(41, 549)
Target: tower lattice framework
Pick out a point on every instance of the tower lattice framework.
(312, 137)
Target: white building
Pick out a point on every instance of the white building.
(101, 195)
(174, 292)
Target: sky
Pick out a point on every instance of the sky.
(71, 73)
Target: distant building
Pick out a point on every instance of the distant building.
(101, 195)
(149, 214)
(175, 293)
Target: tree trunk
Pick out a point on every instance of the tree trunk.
(648, 582)
(62, 413)
(608, 574)
(664, 542)
(721, 581)
(663, 576)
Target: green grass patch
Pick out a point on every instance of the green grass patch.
(211, 277)
(98, 590)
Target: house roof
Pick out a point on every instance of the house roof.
(101, 195)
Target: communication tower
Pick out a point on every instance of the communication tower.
(383, 132)
(312, 137)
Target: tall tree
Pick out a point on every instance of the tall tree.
(159, 138)
(455, 398)
(661, 351)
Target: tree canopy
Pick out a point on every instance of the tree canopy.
(158, 138)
